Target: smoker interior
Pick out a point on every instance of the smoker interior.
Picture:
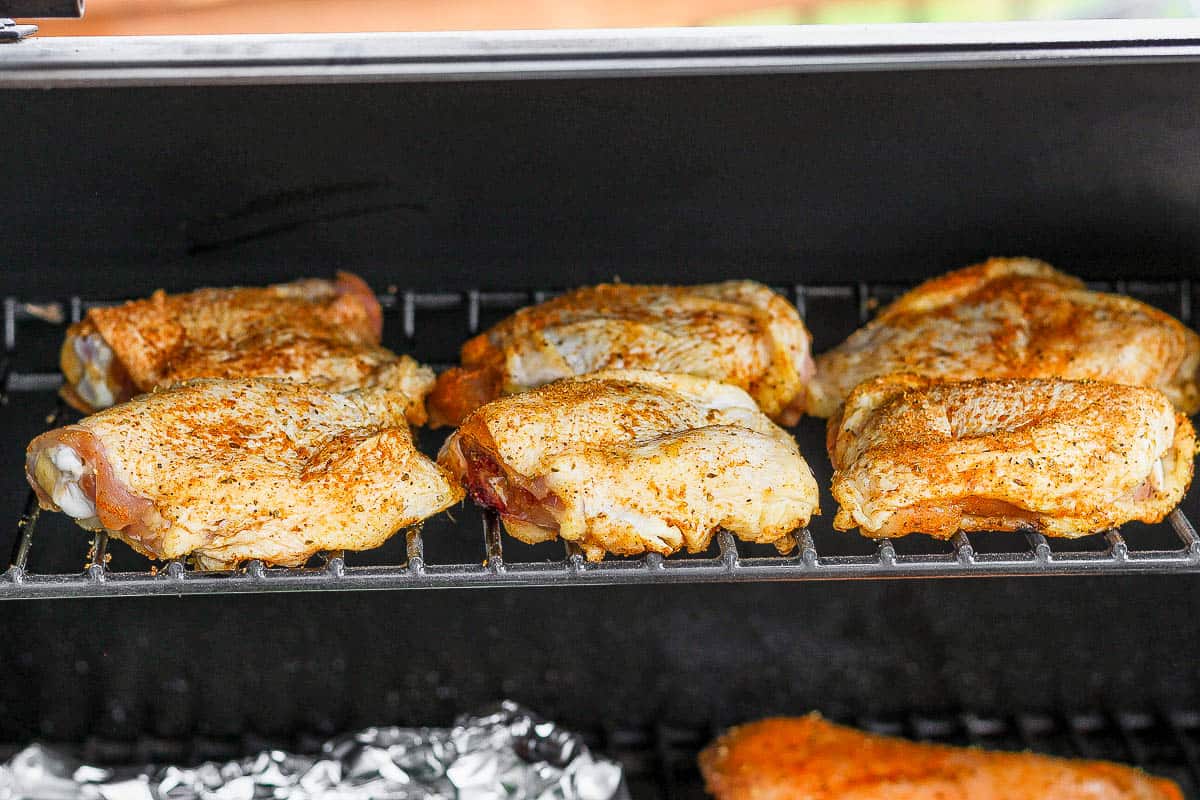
(832, 178)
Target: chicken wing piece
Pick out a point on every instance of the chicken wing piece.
(231, 470)
(633, 461)
(1065, 458)
(1014, 318)
(807, 757)
(739, 332)
(316, 331)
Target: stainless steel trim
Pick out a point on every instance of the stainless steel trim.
(11, 32)
(488, 55)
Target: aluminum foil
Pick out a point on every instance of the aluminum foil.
(502, 753)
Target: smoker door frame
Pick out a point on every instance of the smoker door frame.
(886, 160)
(508, 55)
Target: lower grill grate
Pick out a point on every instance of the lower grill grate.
(48, 551)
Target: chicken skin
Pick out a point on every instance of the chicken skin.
(1064, 458)
(231, 470)
(738, 332)
(1014, 318)
(633, 461)
(811, 759)
(314, 331)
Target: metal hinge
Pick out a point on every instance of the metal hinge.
(10, 31)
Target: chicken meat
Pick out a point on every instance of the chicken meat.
(794, 758)
(1014, 318)
(1063, 458)
(314, 331)
(738, 332)
(255, 468)
(634, 461)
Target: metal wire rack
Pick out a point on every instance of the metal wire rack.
(832, 311)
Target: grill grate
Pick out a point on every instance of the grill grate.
(832, 311)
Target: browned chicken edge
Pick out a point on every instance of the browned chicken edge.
(789, 758)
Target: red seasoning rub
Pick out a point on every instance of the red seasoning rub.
(232, 470)
(1014, 318)
(1065, 458)
(807, 758)
(316, 331)
(739, 332)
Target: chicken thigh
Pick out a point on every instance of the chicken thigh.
(633, 461)
(314, 331)
(808, 758)
(1064, 458)
(232, 470)
(1014, 318)
(738, 332)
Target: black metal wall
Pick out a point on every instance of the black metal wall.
(814, 176)
(276, 665)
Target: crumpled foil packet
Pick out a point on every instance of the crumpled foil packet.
(502, 753)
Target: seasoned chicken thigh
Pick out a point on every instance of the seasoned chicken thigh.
(1066, 458)
(632, 461)
(1014, 318)
(315, 331)
(231, 470)
(739, 332)
(807, 758)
